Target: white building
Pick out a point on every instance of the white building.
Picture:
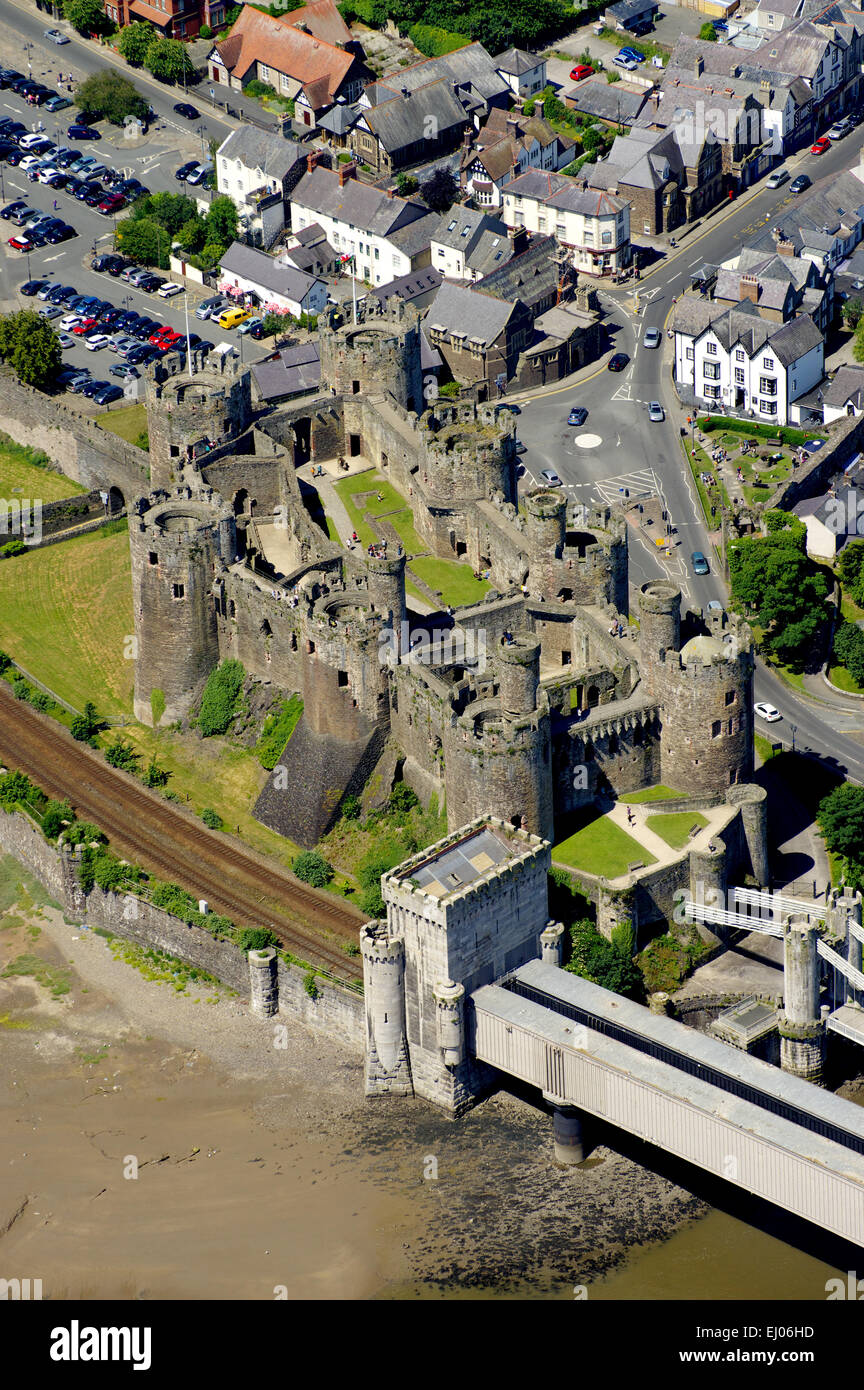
(277, 287)
(738, 362)
(257, 171)
(524, 73)
(379, 236)
(594, 224)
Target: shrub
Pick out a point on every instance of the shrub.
(313, 868)
(433, 42)
(55, 813)
(277, 730)
(205, 32)
(211, 818)
(310, 986)
(121, 754)
(402, 798)
(221, 699)
(350, 807)
(254, 938)
(15, 547)
(15, 787)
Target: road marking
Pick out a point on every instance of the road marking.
(624, 392)
(588, 441)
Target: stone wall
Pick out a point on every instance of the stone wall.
(335, 1011)
(813, 478)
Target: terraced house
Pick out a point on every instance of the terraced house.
(592, 224)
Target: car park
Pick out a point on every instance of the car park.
(110, 204)
(168, 290)
(55, 36)
(200, 173)
(11, 210)
(652, 338)
(32, 287)
(95, 385)
(187, 110)
(578, 415)
(777, 178)
(633, 54)
(656, 413)
(64, 232)
(699, 563)
(626, 63)
(821, 145)
(82, 132)
(57, 103)
(767, 712)
(50, 311)
(95, 341)
(618, 361)
(21, 243)
(550, 476)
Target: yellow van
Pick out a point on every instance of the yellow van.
(231, 317)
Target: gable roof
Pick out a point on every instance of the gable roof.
(516, 62)
(322, 19)
(259, 149)
(257, 37)
(263, 270)
(469, 311)
(368, 208)
(570, 195)
(742, 326)
(461, 228)
(404, 120)
(470, 67)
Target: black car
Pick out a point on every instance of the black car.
(153, 282)
(618, 361)
(94, 195)
(185, 169)
(132, 189)
(37, 237)
(8, 76)
(256, 332)
(32, 287)
(61, 233)
(14, 157)
(110, 264)
(798, 185)
(185, 108)
(6, 148)
(61, 294)
(82, 132)
(65, 158)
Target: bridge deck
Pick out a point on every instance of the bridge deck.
(784, 1162)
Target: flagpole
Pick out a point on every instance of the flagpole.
(188, 349)
(353, 288)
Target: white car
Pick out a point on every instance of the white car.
(624, 63)
(767, 712)
(777, 178)
(36, 137)
(96, 341)
(652, 338)
(69, 321)
(55, 36)
(46, 172)
(656, 413)
(550, 476)
(169, 290)
(30, 161)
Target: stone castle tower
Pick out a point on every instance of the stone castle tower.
(704, 688)
(177, 545)
(191, 412)
(381, 352)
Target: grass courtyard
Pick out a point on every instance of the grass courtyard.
(20, 477)
(129, 421)
(657, 793)
(453, 580)
(601, 847)
(675, 827)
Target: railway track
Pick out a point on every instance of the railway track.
(167, 841)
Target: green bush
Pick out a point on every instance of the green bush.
(121, 754)
(55, 813)
(11, 548)
(277, 730)
(849, 650)
(221, 699)
(310, 986)
(433, 42)
(15, 787)
(313, 868)
(609, 964)
(211, 818)
(254, 938)
(793, 437)
(350, 807)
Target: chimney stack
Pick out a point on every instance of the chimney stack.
(346, 172)
(313, 159)
(518, 239)
(699, 65)
(748, 288)
(783, 245)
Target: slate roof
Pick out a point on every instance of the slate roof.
(402, 121)
(259, 149)
(263, 270)
(411, 286)
(532, 276)
(414, 237)
(470, 67)
(341, 118)
(461, 228)
(517, 62)
(742, 326)
(470, 311)
(848, 385)
(494, 249)
(368, 208)
(560, 191)
(607, 101)
(295, 370)
(629, 9)
(322, 19)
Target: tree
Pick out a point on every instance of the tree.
(193, 233)
(87, 16)
(134, 40)
(110, 94)
(168, 60)
(406, 184)
(851, 567)
(773, 577)
(313, 868)
(170, 210)
(29, 344)
(858, 342)
(222, 221)
(708, 34)
(841, 819)
(607, 963)
(144, 241)
(852, 311)
(439, 191)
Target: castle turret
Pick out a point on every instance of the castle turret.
(379, 353)
(188, 415)
(802, 1033)
(387, 1067)
(518, 664)
(176, 547)
(387, 591)
(659, 621)
(753, 804)
(546, 524)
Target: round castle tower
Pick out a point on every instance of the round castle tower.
(387, 591)
(186, 415)
(705, 690)
(176, 547)
(469, 453)
(546, 523)
(381, 352)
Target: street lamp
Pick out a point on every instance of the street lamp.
(793, 729)
(28, 48)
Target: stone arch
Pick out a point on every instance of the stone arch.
(592, 696)
(116, 501)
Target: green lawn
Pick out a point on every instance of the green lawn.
(675, 828)
(839, 676)
(601, 847)
(455, 581)
(658, 793)
(20, 478)
(764, 748)
(66, 614)
(129, 421)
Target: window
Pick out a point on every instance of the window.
(768, 407)
(716, 729)
(711, 349)
(153, 557)
(711, 370)
(730, 697)
(689, 354)
(177, 591)
(768, 385)
(768, 363)
(739, 376)
(739, 355)
(606, 238)
(711, 393)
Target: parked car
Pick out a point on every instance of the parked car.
(777, 178)
(652, 338)
(21, 242)
(168, 290)
(55, 36)
(837, 130)
(50, 311)
(200, 172)
(32, 287)
(111, 204)
(618, 361)
(108, 394)
(57, 103)
(61, 232)
(82, 132)
(128, 271)
(249, 324)
(633, 53)
(185, 170)
(799, 184)
(207, 308)
(767, 712)
(61, 294)
(124, 371)
(95, 341)
(656, 413)
(93, 386)
(12, 209)
(151, 283)
(187, 110)
(231, 318)
(699, 563)
(581, 70)
(821, 145)
(626, 63)
(578, 415)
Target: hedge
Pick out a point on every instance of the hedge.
(782, 432)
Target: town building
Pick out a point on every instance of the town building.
(737, 361)
(467, 244)
(377, 235)
(271, 284)
(592, 224)
(524, 73)
(411, 127)
(781, 285)
(667, 177)
(506, 146)
(258, 170)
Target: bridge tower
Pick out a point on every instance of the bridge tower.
(802, 1032)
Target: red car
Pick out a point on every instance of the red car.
(113, 203)
(164, 335)
(85, 326)
(20, 243)
(581, 70)
(821, 145)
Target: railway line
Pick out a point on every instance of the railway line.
(166, 841)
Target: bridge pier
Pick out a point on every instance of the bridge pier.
(551, 944)
(802, 1030)
(568, 1140)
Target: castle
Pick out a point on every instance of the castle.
(532, 708)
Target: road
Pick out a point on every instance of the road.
(617, 455)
